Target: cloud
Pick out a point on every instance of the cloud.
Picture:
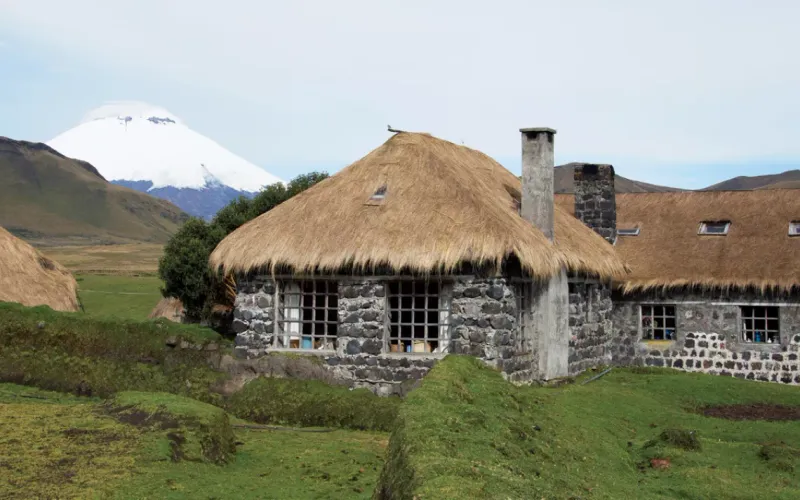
(679, 81)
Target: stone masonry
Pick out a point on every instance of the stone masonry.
(595, 199)
(708, 337)
(590, 325)
(483, 323)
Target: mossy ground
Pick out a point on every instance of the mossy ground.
(60, 446)
(466, 433)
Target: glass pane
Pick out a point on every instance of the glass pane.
(669, 310)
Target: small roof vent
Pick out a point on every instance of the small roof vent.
(714, 228)
(794, 228)
(628, 231)
(378, 196)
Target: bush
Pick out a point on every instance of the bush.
(184, 265)
(312, 403)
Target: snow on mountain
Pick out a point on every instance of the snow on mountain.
(150, 149)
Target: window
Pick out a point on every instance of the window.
(418, 317)
(794, 228)
(308, 314)
(628, 231)
(719, 228)
(658, 322)
(379, 194)
(760, 324)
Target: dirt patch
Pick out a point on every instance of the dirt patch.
(753, 412)
(138, 418)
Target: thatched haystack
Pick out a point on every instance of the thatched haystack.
(31, 279)
(170, 308)
(416, 203)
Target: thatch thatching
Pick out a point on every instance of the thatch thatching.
(444, 205)
(169, 308)
(31, 279)
(668, 252)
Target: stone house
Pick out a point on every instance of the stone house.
(714, 282)
(424, 248)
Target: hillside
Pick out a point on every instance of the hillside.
(48, 198)
(564, 183)
(786, 180)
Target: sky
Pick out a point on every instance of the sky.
(681, 93)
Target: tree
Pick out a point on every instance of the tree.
(184, 265)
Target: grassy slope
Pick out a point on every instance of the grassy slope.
(121, 297)
(468, 434)
(47, 197)
(44, 456)
(138, 259)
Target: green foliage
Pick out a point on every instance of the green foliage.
(467, 433)
(71, 352)
(196, 431)
(184, 265)
(312, 403)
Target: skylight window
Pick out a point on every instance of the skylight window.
(379, 194)
(628, 231)
(718, 228)
(794, 228)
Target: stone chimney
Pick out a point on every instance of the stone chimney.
(546, 323)
(537, 178)
(595, 201)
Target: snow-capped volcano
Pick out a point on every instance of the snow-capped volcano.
(148, 148)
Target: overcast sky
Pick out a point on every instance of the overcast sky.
(676, 92)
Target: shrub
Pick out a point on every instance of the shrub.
(312, 403)
(184, 265)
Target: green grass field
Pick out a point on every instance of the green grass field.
(466, 433)
(59, 446)
(124, 297)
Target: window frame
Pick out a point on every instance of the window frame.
(664, 316)
(443, 310)
(794, 229)
(766, 318)
(331, 289)
(703, 228)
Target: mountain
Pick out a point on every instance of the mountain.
(149, 149)
(564, 183)
(786, 180)
(48, 198)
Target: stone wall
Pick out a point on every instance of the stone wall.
(483, 323)
(590, 325)
(713, 320)
(595, 198)
(712, 353)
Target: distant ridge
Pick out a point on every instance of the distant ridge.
(564, 183)
(47, 198)
(785, 180)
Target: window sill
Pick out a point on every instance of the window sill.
(415, 355)
(317, 352)
(657, 342)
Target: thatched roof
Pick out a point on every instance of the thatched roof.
(444, 204)
(169, 308)
(668, 252)
(31, 279)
